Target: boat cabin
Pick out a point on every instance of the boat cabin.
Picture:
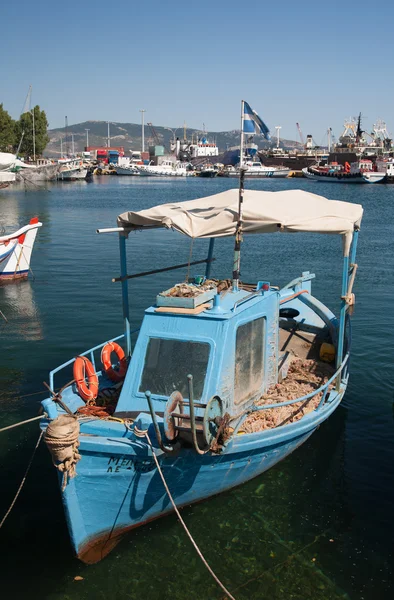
(230, 348)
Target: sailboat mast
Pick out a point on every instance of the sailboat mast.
(34, 136)
(66, 127)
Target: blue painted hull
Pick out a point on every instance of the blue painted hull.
(118, 487)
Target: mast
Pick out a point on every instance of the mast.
(34, 135)
(66, 127)
(142, 111)
(241, 148)
(238, 233)
(329, 139)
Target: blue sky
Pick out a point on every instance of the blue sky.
(307, 61)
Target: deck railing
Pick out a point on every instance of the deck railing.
(89, 353)
(324, 389)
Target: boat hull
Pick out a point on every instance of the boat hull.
(118, 487)
(374, 177)
(131, 172)
(73, 175)
(333, 178)
(263, 174)
(15, 252)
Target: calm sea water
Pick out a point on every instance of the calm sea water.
(319, 525)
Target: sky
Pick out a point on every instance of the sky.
(316, 63)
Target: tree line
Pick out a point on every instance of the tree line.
(17, 136)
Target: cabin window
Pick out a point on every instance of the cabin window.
(169, 362)
(249, 359)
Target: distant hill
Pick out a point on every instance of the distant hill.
(128, 135)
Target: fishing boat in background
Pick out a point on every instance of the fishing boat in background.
(15, 251)
(208, 171)
(255, 169)
(225, 378)
(166, 168)
(71, 169)
(131, 170)
(362, 171)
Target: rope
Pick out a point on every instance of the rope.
(62, 439)
(22, 482)
(21, 423)
(220, 584)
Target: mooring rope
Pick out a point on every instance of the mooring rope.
(220, 584)
(21, 423)
(23, 480)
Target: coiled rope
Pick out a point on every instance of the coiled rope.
(62, 439)
(141, 433)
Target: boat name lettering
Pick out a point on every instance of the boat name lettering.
(116, 464)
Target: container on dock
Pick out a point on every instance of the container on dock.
(113, 157)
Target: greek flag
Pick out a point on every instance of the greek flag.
(253, 123)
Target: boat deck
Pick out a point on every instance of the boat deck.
(305, 374)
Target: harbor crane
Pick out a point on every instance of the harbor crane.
(300, 134)
(154, 134)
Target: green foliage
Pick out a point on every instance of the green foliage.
(25, 127)
(7, 131)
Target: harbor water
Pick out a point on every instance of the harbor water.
(319, 525)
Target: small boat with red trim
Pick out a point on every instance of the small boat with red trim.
(15, 251)
(221, 381)
(362, 171)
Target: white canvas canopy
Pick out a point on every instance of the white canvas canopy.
(263, 212)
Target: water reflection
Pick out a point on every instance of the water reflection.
(22, 313)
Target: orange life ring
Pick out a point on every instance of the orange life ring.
(83, 368)
(110, 372)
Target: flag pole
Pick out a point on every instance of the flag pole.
(241, 151)
(238, 233)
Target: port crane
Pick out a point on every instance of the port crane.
(154, 135)
(300, 134)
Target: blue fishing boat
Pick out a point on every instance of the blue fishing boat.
(225, 379)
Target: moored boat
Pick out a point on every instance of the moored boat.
(71, 169)
(204, 388)
(208, 171)
(374, 177)
(15, 251)
(165, 169)
(6, 178)
(254, 168)
(130, 170)
(362, 171)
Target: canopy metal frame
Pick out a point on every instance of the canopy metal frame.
(349, 266)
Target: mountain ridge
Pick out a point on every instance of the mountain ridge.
(129, 136)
